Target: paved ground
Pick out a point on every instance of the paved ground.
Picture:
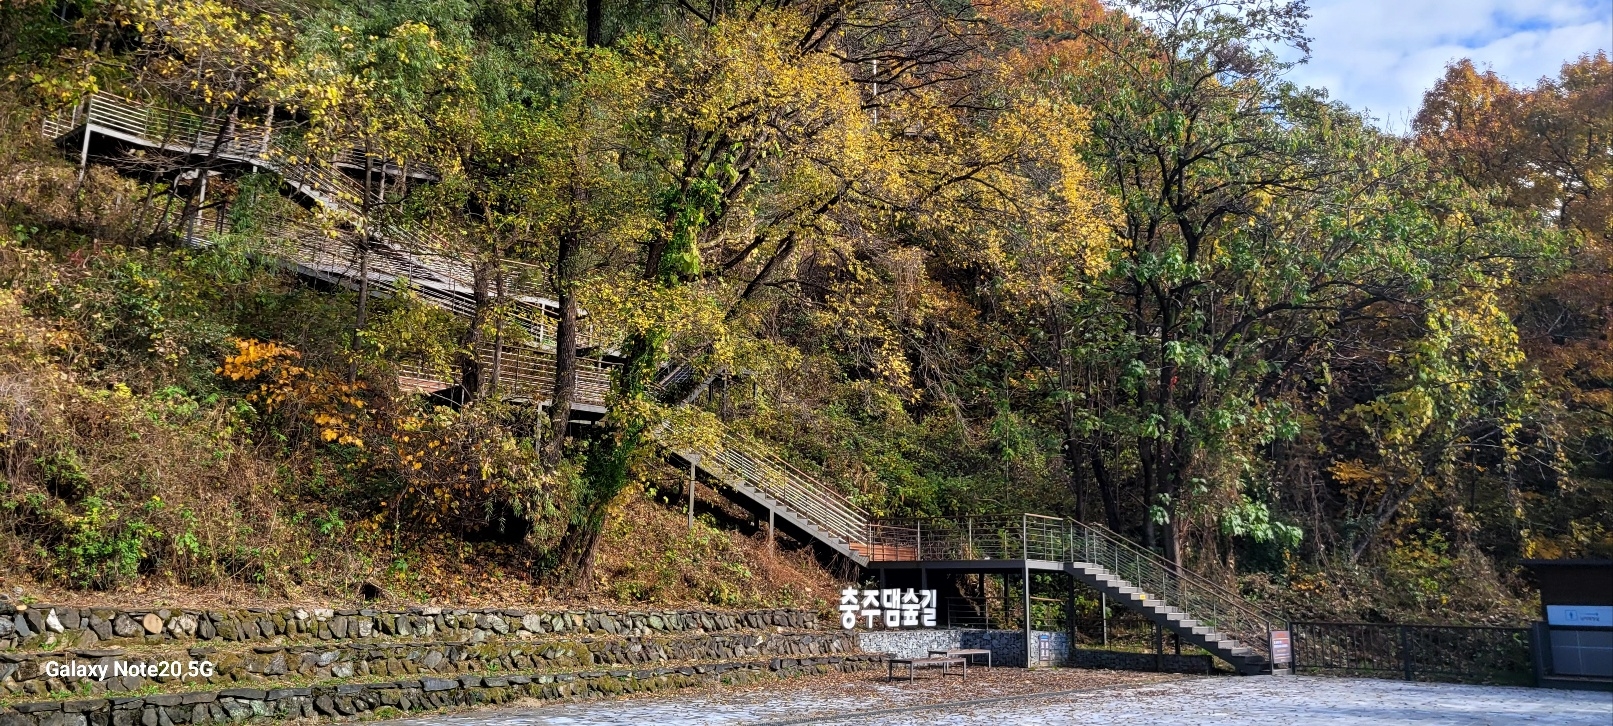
(1255, 700)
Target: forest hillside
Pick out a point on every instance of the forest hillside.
(1099, 261)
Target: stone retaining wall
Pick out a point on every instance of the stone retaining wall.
(25, 673)
(54, 626)
(382, 699)
(1007, 646)
(1124, 661)
(908, 643)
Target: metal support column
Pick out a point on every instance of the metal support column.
(1030, 637)
(694, 461)
(84, 154)
(770, 536)
(1069, 621)
(1025, 582)
(1103, 613)
(1005, 599)
(1159, 648)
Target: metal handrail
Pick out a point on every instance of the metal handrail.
(264, 145)
(330, 256)
(1176, 570)
(1049, 538)
(735, 459)
(1200, 599)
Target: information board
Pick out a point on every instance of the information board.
(1282, 651)
(1581, 616)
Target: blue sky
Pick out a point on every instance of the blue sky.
(1382, 54)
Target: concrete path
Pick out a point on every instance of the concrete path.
(1215, 700)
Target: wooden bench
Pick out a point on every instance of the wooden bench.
(913, 664)
(965, 653)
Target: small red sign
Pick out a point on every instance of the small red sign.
(1281, 650)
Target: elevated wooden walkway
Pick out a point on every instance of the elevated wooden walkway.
(1203, 613)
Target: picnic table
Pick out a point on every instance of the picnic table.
(965, 653)
(944, 662)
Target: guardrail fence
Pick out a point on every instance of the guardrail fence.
(1456, 653)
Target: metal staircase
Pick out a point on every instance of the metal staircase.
(1201, 612)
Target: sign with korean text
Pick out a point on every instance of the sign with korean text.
(1282, 651)
(891, 607)
(1581, 616)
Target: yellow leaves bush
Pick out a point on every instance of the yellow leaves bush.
(333, 406)
(463, 472)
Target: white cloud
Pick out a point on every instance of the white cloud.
(1383, 54)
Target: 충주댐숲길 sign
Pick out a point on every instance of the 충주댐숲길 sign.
(894, 607)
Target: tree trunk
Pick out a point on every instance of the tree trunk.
(1106, 489)
(1145, 457)
(594, 10)
(470, 362)
(498, 339)
(1175, 484)
(363, 266)
(565, 355)
(208, 162)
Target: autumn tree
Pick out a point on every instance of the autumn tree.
(371, 82)
(1261, 230)
(1545, 151)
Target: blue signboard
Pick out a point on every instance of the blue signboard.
(1581, 616)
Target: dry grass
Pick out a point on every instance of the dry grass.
(133, 477)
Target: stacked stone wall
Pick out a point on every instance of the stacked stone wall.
(53, 626)
(1007, 646)
(348, 701)
(27, 674)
